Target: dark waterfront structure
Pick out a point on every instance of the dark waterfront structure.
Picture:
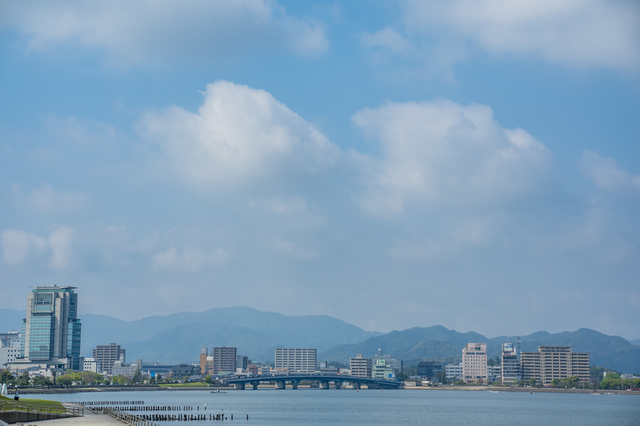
(430, 370)
(294, 380)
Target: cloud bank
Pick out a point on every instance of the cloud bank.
(160, 32)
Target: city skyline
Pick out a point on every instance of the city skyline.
(394, 164)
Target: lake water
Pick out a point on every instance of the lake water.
(388, 407)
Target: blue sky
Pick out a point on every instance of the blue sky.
(393, 164)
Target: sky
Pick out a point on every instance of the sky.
(474, 164)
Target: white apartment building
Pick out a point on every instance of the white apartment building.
(511, 368)
(90, 364)
(454, 372)
(9, 347)
(474, 363)
(121, 369)
(297, 360)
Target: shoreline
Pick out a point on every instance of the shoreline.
(411, 388)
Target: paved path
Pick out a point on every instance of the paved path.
(90, 419)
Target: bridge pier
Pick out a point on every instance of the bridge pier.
(280, 385)
(324, 385)
(355, 385)
(254, 385)
(239, 386)
(338, 385)
(294, 385)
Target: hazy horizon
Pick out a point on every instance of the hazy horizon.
(391, 164)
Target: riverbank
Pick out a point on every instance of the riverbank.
(524, 390)
(266, 386)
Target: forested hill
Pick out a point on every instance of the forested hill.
(439, 342)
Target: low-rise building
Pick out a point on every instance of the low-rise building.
(428, 370)
(92, 365)
(9, 347)
(454, 372)
(381, 370)
(121, 369)
(182, 370)
(494, 373)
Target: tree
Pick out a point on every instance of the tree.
(120, 380)
(532, 382)
(137, 377)
(185, 379)
(208, 378)
(23, 380)
(90, 378)
(64, 380)
(571, 381)
(6, 377)
(41, 381)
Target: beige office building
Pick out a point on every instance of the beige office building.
(361, 367)
(554, 362)
(474, 363)
(220, 359)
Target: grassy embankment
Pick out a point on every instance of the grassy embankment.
(32, 405)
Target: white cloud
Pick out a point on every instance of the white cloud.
(61, 249)
(607, 174)
(239, 136)
(190, 259)
(573, 33)
(440, 154)
(386, 40)
(145, 31)
(292, 249)
(16, 245)
(49, 201)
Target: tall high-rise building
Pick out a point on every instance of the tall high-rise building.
(51, 331)
(296, 359)
(554, 362)
(511, 368)
(220, 359)
(474, 363)
(106, 355)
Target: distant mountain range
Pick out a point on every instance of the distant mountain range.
(439, 342)
(178, 338)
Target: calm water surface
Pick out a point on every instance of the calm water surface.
(388, 407)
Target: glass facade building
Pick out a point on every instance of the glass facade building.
(52, 331)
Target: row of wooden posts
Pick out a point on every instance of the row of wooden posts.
(121, 412)
(147, 407)
(90, 403)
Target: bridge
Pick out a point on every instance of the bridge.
(324, 381)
